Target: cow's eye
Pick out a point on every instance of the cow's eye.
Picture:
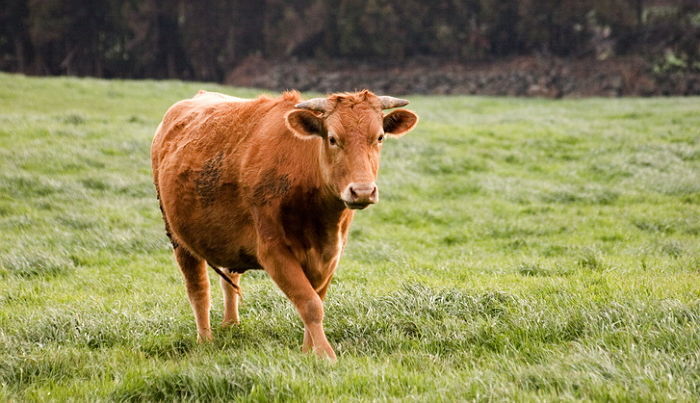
(332, 141)
(380, 138)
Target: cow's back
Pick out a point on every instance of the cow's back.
(196, 127)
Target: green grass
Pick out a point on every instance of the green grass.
(523, 249)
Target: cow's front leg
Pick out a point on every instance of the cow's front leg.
(286, 271)
(307, 344)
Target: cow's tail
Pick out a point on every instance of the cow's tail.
(228, 280)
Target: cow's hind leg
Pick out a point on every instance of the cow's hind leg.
(231, 299)
(194, 270)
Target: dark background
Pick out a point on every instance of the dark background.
(236, 41)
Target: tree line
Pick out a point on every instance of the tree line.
(204, 40)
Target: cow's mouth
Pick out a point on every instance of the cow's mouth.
(357, 206)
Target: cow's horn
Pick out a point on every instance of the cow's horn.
(391, 102)
(314, 104)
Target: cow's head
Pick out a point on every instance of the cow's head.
(353, 128)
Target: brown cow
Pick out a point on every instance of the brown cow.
(269, 184)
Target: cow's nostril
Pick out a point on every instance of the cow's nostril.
(361, 194)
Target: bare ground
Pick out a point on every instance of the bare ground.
(522, 76)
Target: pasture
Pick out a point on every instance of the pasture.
(522, 249)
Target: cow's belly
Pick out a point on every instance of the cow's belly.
(209, 219)
(232, 248)
(224, 240)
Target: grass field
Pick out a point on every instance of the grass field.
(523, 249)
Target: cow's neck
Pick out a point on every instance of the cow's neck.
(316, 202)
(314, 214)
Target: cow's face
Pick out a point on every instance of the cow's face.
(352, 128)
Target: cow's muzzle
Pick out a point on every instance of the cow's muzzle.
(360, 195)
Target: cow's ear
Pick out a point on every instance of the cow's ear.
(305, 123)
(399, 122)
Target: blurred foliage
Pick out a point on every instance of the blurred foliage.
(205, 40)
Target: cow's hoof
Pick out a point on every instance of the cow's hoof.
(204, 337)
(327, 354)
(229, 323)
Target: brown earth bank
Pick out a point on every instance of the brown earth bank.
(522, 76)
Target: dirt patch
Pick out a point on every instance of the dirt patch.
(522, 76)
(207, 179)
(271, 186)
